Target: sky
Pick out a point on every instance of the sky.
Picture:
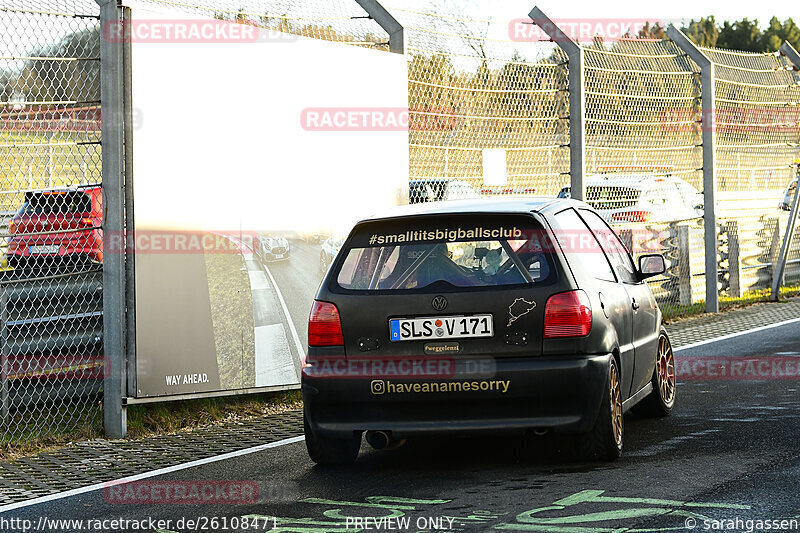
(674, 10)
(503, 11)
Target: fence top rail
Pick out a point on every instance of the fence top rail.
(740, 53)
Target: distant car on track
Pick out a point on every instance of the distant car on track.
(641, 197)
(569, 334)
(788, 195)
(440, 189)
(330, 247)
(57, 225)
(270, 248)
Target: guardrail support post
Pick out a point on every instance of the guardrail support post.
(114, 296)
(577, 101)
(707, 80)
(734, 259)
(685, 296)
(386, 21)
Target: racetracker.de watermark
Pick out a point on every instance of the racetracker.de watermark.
(182, 31)
(56, 367)
(156, 242)
(728, 119)
(401, 367)
(182, 492)
(578, 29)
(354, 119)
(703, 368)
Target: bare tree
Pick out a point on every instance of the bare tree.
(473, 33)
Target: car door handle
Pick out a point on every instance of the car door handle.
(634, 305)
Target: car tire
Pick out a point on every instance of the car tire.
(331, 451)
(604, 441)
(661, 400)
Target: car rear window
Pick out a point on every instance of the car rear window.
(604, 197)
(56, 203)
(440, 253)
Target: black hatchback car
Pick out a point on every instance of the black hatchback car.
(484, 316)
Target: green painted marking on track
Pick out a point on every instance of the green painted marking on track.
(595, 496)
(337, 513)
(372, 502)
(531, 520)
(600, 516)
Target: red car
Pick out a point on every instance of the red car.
(58, 224)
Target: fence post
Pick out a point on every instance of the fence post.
(130, 247)
(708, 99)
(577, 101)
(734, 259)
(775, 244)
(112, 142)
(778, 270)
(386, 21)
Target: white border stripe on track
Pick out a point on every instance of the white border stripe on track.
(298, 345)
(737, 334)
(152, 473)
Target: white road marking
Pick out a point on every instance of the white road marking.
(737, 334)
(274, 364)
(258, 280)
(301, 352)
(146, 475)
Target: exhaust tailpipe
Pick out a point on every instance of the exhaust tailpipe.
(379, 440)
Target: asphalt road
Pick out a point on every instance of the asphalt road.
(298, 279)
(729, 450)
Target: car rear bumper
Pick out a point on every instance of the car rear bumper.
(559, 393)
(83, 244)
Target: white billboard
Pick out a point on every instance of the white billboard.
(252, 146)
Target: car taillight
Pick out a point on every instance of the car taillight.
(632, 216)
(324, 325)
(568, 314)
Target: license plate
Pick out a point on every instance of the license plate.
(44, 249)
(440, 327)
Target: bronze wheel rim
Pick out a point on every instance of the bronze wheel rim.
(616, 406)
(665, 370)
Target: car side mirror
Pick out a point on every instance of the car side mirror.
(651, 265)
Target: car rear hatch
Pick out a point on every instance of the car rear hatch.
(46, 215)
(450, 285)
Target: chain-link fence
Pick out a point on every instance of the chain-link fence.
(758, 130)
(471, 88)
(50, 217)
(644, 155)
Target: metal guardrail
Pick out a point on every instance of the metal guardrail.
(51, 332)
